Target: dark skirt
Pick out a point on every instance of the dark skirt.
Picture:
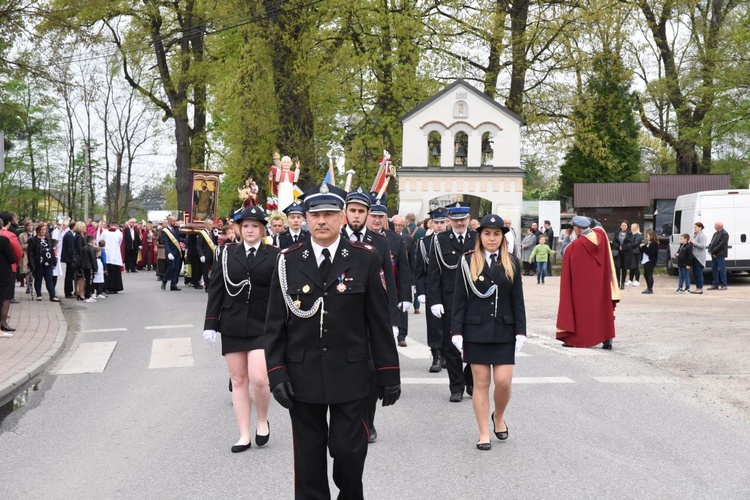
(490, 354)
(240, 344)
(7, 292)
(113, 280)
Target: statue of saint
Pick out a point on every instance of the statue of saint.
(248, 193)
(286, 180)
(273, 187)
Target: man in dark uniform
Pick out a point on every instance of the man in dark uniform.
(357, 209)
(326, 319)
(205, 248)
(448, 247)
(423, 254)
(170, 239)
(376, 222)
(295, 216)
(193, 258)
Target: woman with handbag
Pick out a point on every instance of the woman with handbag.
(621, 245)
(635, 270)
(489, 322)
(650, 250)
(42, 261)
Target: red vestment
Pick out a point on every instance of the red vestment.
(588, 292)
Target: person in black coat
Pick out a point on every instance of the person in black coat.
(441, 278)
(7, 282)
(132, 237)
(295, 216)
(489, 322)
(89, 267)
(719, 250)
(326, 320)
(651, 248)
(423, 254)
(622, 241)
(69, 258)
(170, 238)
(42, 262)
(205, 247)
(237, 304)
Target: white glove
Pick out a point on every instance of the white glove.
(422, 299)
(520, 341)
(170, 256)
(140, 247)
(203, 258)
(437, 310)
(404, 306)
(395, 332)
(210, 336)
(458, 341)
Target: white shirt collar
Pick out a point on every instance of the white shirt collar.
(318, 250)
(295, 234)
(350, 232)
(488, 254)
(460, 234)
(248, 247)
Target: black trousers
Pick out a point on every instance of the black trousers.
(89, 279)
(196, 270)
(434, 328)
(206, 268)
(346, 439)
(131, 256)
(453, 361)
(69, 277)
(403, 326)
(648, 274)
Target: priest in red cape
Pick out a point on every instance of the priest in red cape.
(588, 289)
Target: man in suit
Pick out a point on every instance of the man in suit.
(422, 257)
(326, 319)
(295, 216)
(376, 222)
(448, 248)
(357, 210)
(205, 248)
(68, 257)
(719, 249)
(132, 237)
(276, 227)
(170, 238)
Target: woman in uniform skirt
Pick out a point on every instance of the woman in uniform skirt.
(237, 305)
(489, 322)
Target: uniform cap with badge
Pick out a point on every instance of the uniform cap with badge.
(294, 208)
(377, 207)
(439, 214)
(251, 213)
(324, 197)
(359, 196)
(459, 210)
(492, 221)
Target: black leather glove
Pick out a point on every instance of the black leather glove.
(284, 394)
(389, 394)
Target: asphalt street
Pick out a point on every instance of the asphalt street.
(137, 407)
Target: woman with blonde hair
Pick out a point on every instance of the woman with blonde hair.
(489, 322)
(635, 247)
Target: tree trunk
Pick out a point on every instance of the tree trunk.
(519, 14)
(182, 139)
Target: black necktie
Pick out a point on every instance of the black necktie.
(295, 238)
(275, 240)
(493, 259)
(250, 255)
(325, 265)
(358, 235)
(461, 240)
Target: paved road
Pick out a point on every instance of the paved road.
(150, 417)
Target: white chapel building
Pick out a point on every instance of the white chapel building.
(461, 145)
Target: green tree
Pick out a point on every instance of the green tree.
(605, 147)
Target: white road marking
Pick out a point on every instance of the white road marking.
(171, 353)
(166, 327)
(102, 330)
(516, 380)
(415, 350)
(547, 343)
(636, 380)
(89, 357)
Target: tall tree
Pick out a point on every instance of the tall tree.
(605, 147)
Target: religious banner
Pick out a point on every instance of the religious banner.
(204, 202)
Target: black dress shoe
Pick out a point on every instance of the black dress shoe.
(239, 448)
(402, 343)
(175, 289)
(607, 344)
(230, 385)
(373, 436)
(14, 301)
(163, 286)
(502, 436)
(443, 363)
(435, 367)
(261, 440)
(470, 390)
(456, 397)
(7, 329)
(484, 446)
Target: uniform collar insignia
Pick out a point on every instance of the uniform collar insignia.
(345, 253)
(305, 254)
(450, 235)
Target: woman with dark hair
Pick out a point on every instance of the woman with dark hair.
(650, 250)
(79, 242)
(23, 239)
(621, 245)
(635, 249)
(42, 262)
(489, 322)
(699, 243)
(7, 282)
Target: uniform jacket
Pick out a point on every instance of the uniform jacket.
(401, 266)
(286, 240)
(202, 248)
(326, 361)
(499, 317)
(441, 280)
(421, 261)
(383, 250)
(241, 315)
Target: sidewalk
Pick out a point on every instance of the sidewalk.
(38, 339)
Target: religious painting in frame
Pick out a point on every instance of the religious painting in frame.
(204, 202)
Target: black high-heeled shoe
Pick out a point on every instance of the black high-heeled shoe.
(261, 440)
(7, 329)
(503, 435)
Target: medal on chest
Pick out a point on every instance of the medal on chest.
(341, 287)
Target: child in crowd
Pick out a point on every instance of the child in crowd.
(684, 258)
(89, 267)
(101, 262)
(541, 252)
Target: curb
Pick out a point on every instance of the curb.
(15, 384)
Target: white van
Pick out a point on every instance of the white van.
(730, 206)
